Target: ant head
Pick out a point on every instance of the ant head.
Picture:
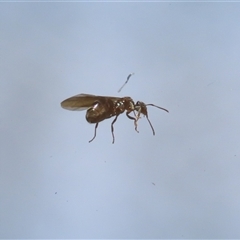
(141, 107)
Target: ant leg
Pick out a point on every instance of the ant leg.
(112, 129)
(134, 119)
(95, 132)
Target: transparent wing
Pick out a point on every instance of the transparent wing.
(79, 102)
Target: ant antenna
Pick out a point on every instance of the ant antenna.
(150, 104)
(125, 82)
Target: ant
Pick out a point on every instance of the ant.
(100, 108)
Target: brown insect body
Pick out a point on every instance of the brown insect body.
(100, 108)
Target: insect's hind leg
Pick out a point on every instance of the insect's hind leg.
(95, 132)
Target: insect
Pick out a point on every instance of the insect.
(100, 108)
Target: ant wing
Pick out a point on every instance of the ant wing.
(79, 102)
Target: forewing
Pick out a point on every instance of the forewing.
(79, 102)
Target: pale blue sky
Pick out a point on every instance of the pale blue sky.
(184, 182)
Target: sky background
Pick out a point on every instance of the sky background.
(184, 182)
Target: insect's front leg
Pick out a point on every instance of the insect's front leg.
(134, 119)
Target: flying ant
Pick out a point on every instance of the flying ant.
(100, 108)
